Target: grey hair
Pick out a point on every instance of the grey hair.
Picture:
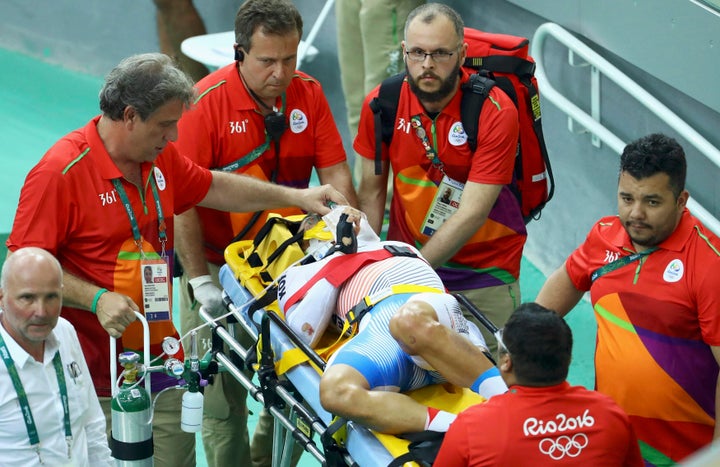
(145, 82)
(427, 12)
(25, 252)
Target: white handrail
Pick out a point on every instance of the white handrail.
(146, 353)
(631, 87)
(314, 31)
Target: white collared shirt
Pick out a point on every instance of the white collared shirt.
(89, 443)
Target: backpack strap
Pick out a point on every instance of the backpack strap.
(423, 448)
(475, 91)
(534, 97)
(384, 108)
(502, 64)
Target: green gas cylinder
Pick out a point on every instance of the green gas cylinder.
(131, 441)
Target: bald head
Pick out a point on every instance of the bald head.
(28, 257)
(31, 297)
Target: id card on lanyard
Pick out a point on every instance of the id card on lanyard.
(445, 203)
(154, 272)
(155, 289)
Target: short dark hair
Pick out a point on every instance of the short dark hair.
(652, 154)
(540, 345)
(276, 17)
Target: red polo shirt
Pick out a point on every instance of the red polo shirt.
(69, 206)
(554, 425)
(225, 126)
(492, 256)
(657, 319)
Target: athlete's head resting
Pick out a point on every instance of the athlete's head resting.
(448, 313)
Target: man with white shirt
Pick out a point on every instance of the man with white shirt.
(49, 412)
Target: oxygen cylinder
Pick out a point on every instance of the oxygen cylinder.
(131, 441)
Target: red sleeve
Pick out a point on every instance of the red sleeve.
(577, 266)
(454, 449)
(192, 182)
(364, 143)
(329, 149)
(196, 135)
(706, 288)
(494, 158)
(43, 217)
(633, 457)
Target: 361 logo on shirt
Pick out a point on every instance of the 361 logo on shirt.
(238, 127)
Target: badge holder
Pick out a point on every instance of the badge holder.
(445, 203)
(156, 280)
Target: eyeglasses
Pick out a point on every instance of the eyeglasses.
(439, 56)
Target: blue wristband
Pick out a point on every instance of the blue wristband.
(96, 299)
(489, 373)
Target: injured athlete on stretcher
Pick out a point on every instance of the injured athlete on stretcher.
(411, 335)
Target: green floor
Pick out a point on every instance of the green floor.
(42, 102)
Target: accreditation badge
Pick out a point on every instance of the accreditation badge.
(445, 203)
(156, 290)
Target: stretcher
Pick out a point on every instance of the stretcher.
(293, 398)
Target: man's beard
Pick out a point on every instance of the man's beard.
(447, 85)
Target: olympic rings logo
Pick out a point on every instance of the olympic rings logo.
(562, 446)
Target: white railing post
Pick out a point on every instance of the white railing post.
(592, 122)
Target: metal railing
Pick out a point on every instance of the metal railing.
(591, 122)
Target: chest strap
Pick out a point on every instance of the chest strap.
(357, 312)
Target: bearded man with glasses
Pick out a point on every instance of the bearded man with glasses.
(475, 241)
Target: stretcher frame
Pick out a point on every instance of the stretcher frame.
(295, 422)
(293, 399)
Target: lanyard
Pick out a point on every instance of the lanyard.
(247, 158)
(25, 405)
(255, 153)
(131, 215)
(618, 263)
(430, 152)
